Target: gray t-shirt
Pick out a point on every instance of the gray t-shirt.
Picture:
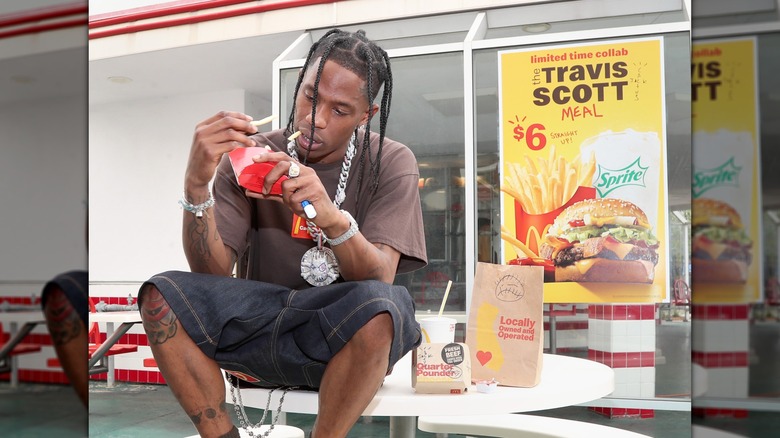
(263, 229)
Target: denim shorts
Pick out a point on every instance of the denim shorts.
(74, 285)
(282, 336)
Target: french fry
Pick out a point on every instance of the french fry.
(546, 183)
(263, 121)
(570, 184)
(517, 195)
(531, 165)
(517, 244)
(557, 192)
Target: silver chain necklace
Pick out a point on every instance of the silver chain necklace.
(243, 418)
(319, 266)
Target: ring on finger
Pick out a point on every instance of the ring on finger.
(294, 170)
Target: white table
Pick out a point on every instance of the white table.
(565, 381)
(28, 319)
(125, 319)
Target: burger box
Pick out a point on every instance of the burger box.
(441, 368)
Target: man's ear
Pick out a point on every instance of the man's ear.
(372, 110)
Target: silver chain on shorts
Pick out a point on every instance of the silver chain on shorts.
(243, 418)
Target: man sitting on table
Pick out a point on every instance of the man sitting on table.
(278, 330)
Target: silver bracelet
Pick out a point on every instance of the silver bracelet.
(353, 229)
(197, 209)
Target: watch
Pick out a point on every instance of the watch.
(353, 229)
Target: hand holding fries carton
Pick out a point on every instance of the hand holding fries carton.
(251, 175)
(441, 368)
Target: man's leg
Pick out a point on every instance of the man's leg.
(194, 378)
(362, 362)
(69, 336)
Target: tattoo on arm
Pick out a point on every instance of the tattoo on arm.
(198, 232)
(379, 269)
(159, 320)
(63, 321)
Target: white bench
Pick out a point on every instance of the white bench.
(518, 425)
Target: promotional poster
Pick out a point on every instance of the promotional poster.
(726, 241)
(583, 160)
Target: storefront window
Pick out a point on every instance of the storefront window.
(763, 378)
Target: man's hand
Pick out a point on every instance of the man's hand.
(213, 137)
(358, 258)
(305, 187)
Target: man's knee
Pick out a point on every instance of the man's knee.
(377, 333)
(159, 320)
(145, 292)
(62, 319)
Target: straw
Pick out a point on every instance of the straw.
(444, 300)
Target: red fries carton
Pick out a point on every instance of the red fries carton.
(531, 228)
(251, 175)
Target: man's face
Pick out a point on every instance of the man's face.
(341, 107)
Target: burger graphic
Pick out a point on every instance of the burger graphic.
(721, 249)
(602, 240)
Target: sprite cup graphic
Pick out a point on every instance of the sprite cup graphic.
(722, 169)
(608, 180)
(727, 174)
(628, 167)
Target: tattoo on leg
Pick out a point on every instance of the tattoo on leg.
(210, 413)
(196, 418)
(63, 321)
(160, 322)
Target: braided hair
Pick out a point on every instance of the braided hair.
(355, 52)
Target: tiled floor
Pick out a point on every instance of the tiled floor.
(150, 410)
(35, 410)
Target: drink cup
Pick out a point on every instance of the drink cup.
(438, 330)
(628, 167)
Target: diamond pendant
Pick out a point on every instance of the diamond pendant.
(319, 266)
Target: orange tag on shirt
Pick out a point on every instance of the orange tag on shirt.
(300, 229)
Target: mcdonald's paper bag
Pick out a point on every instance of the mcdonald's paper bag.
(505, 332)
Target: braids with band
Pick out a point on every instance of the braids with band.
(358, 54)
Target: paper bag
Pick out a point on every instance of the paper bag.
(505, 332)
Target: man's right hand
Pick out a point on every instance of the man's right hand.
(221, 133)
(214, 137)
